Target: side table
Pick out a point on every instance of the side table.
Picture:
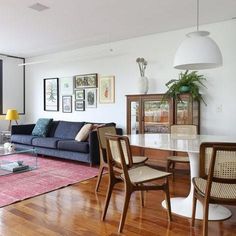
(5, 136)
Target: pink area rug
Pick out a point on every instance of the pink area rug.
(51, 174)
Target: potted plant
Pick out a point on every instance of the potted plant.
(188, 82)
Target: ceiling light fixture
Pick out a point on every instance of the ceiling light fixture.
(197, 51)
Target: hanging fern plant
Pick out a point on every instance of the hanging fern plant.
(187, 83)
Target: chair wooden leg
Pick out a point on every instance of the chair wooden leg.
(125, 208)
(194, 209)
(99, 178)
(168, 204)
(168, 165)
(173, 170)
(111, 184)
(205, 218)
(142, 197)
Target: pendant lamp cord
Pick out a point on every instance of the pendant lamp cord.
(197, 15)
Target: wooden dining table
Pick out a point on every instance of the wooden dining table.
(191, 144)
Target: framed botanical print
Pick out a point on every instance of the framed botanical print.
(107, 89)
(51, 94)
(85, 81)
(66, 86)
(91, 98)
(79, 106)
(79, 94)
(67, 104)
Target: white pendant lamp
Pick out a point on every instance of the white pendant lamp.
(197, 51)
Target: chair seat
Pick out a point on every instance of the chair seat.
(178, 159)
(139, 159)
(144, 174)
(218, 190)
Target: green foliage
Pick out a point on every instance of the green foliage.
(192, 80)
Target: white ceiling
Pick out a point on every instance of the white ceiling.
(70, 24)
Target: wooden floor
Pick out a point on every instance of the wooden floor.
(76, 210)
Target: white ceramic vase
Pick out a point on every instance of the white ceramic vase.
(143, 85)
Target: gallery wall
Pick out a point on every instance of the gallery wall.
(119, 59)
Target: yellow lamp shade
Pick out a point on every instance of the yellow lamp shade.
(12, 114)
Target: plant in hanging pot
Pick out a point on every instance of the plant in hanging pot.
(188, 82)
(143, 80)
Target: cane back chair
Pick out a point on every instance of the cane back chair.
(217, 180)
(182, 130)
(101, 131)
(136, 178)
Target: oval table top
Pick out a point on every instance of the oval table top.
(175, 142)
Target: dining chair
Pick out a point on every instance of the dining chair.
(135, 178)
(101, 131)
(217, 178)
(172, 160)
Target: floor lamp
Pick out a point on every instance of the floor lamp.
(12, 114)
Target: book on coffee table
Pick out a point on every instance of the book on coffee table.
(14, 167)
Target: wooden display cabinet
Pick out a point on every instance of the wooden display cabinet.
(148, 114)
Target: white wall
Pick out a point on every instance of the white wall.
(218, 117)
(13, 84)
(12, 88)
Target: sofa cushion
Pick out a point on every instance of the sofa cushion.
(73, 145)
(42, 127)
(48, 142)
(83, 133)
(22, 138)
(67, 129)
(52, 129)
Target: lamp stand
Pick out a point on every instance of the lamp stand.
(9, 126)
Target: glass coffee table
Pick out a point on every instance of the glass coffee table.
(17, 161)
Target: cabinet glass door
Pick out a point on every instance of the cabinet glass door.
(182, 112)
(187, 111)
(134, 119)
(196, 115)
(156, 117)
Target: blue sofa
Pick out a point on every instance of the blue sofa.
(60, 141)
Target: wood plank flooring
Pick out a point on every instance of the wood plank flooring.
(76, 210)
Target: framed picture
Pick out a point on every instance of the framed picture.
(107, 89)
(79, 94)
(91, 98)
(51, 94)
(86, 81)
(66, 86)
(79, 106)
(67, 104)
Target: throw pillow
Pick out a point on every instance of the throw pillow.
(83, 133)
(42, 127)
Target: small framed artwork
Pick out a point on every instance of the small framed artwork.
(85, 81)
(67, 104)
(79, 94)
(79, 106)
(51, 94)
(66, 86)
(107, 89)
(91, 98)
